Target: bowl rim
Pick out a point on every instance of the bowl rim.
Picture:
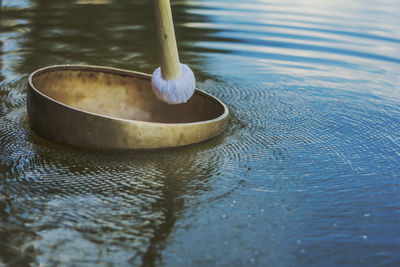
(125, 72)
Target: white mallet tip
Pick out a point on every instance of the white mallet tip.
(176, 91)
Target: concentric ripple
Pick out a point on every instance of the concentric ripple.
(96, 199)
(306, 173)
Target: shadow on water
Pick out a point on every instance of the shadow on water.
(1, 62)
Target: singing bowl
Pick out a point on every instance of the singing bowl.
(108, 108)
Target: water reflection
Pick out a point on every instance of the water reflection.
(90, 205)
(92, 2)
(306, 173)
(116, 34)
(89, 34)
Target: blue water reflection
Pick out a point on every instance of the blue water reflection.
(307, 173)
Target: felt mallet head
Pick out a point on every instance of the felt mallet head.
(176, 91)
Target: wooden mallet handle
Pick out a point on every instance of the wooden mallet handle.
(167, 48)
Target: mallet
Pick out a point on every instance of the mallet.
(172, 82)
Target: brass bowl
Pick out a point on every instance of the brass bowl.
(108, 108)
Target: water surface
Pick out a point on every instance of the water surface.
(306, 174)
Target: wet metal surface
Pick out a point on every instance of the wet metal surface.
(306, 174)
(108, 108)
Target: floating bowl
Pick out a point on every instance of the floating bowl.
(107, 108)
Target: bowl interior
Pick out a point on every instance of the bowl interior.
(121, 95)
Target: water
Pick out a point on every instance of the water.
(307, 173)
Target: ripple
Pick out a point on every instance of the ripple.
(313, 138)
(68, 188)
(138, 193)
